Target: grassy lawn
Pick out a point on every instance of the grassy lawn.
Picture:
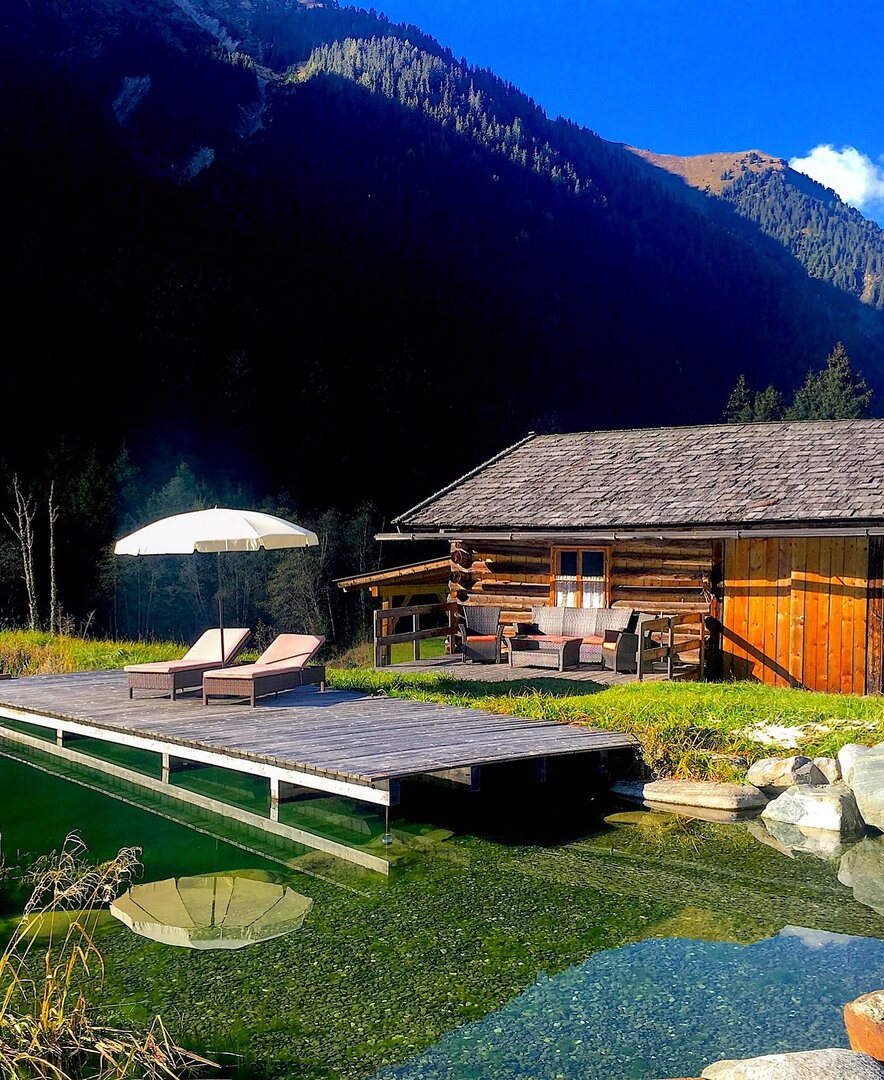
(686, 730)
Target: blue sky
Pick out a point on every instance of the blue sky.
(800, 79)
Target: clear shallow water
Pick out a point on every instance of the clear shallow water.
(516, 936)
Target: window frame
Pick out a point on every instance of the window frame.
(554, 566)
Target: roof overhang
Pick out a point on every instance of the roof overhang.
(610, 536)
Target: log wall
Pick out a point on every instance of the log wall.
(660, 577)
(796, 613)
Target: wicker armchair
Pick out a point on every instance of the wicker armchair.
(481, 635)
(620, 648)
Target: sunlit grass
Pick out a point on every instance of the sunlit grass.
(687, 730)
(24, 652)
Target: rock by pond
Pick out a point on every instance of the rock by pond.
(810, 1065)
(831, 807)
(713, 796)
(774, 775)
(864, 1020)
(848, 756)
(867, 784)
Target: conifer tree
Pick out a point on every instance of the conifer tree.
(835, 393)
(740, 406)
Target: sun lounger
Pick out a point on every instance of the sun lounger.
(187, 673)
(282, 666)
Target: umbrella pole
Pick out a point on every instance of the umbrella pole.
(220, 607)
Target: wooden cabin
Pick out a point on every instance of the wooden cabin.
(774, 531)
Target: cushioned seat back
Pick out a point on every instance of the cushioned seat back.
(549, 620)
(208, 647)
(581, 622)
(612, 619)
(480, 619)
(291, 649)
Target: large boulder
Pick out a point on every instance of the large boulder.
(847, 758)
(691, 793)
(867, 784)
(831, 807)
(809, 1065)
(774, 775)
(862, 869)
(829, 767)
(864, 1020)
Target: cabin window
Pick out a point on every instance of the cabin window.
(579, 577)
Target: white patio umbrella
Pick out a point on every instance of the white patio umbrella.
(211, 911)
(215, 530)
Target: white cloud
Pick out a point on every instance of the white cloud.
(852, 175)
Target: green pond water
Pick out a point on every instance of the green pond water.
(519, 932)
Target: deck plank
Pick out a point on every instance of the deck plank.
(362, 738)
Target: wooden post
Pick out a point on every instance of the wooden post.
(274, 798)
(640, 653)
(416, 625)
(382, 627)
(167, 768)
(59, 737)
(670, 642)
(701, 618)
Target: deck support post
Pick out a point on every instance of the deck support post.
(416, 625)
(274, 798)
(166, 767)
(59, 737)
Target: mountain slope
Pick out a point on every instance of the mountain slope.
(830, 239)
(303, 244)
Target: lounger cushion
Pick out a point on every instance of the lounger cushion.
(204, 653)
(295, 649)
(254, 671)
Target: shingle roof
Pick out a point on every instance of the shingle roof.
(812, 471)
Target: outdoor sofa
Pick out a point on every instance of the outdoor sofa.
(282, 666)
(589, 625)
(187, 673)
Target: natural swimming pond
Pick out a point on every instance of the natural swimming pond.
(517, 934)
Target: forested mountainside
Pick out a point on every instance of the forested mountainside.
(313, 253)
(831, 240)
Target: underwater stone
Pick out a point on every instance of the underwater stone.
(829, 807)
(792, 840)
(862, 869)
(809, 1065)
(775, 775)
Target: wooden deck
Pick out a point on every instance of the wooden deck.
(350, 744)
(454, 667)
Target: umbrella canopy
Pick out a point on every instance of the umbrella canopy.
(215, 530)
(211, 911)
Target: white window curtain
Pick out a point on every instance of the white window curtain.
(593, 592)
(566, 591)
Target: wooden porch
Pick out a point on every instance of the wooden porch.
(453, 667)
(669, 647)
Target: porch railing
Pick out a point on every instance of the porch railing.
(387, 634)
(668, 638)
